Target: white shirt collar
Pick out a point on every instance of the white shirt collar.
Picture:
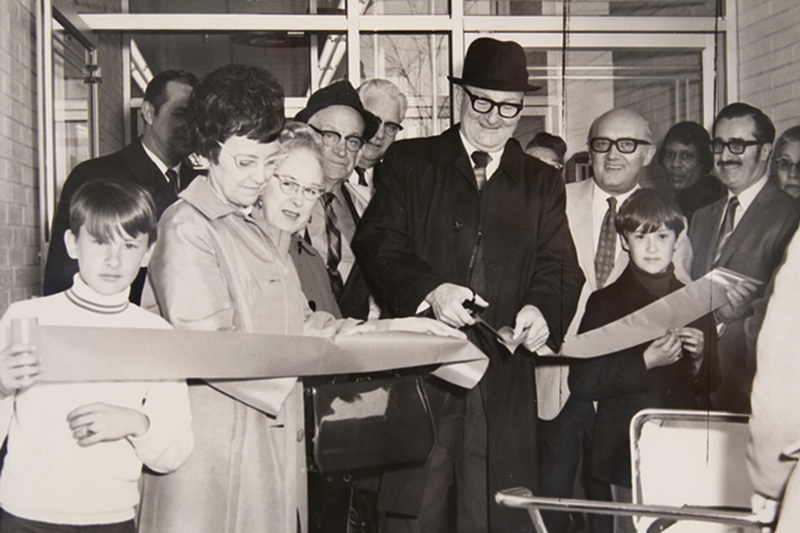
(599, 208)
(746, 197)
(159, 163)
(494, 162)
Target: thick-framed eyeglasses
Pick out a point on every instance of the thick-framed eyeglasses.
(352, 143)
(483, 105)
(392, 128)
(602, 145)
(786, 165)
(248, 163)
(735, 146)
(290, 186)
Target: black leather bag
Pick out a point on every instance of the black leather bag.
(367, 422)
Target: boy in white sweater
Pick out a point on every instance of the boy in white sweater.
(75, 450)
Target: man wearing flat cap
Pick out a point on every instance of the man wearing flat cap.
(466, 225)
(336, 113)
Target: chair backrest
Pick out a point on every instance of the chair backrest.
(693, 458)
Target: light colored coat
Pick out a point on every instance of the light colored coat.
(551, 380)
(215, 268)
(775, 421)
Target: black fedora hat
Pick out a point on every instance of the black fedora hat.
(339, 93)
(496, 65)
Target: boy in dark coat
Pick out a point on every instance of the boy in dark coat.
(677, 370)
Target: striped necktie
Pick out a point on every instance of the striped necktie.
(726, 228)
(334, 244)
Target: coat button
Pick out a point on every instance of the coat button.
(457, 225)
(301, 434)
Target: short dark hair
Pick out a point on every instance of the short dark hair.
(690, 134)
(235, 100)
(156, 92)
(108, 207)
(547, 140)
(765, 129)
(646, 210)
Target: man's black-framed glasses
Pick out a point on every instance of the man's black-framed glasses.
(391, 128)
(483, 105)
(290, 186)
(786, 165)
(626, 145)
(330, 138)
(735, 146)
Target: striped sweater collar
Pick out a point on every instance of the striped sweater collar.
(87, 298)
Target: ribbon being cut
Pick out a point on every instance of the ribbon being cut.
(699, 298)
(124, 354)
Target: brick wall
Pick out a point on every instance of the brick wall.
(769, 58)
(19, 191)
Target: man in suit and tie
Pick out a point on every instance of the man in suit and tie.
(461, 224)
(155, 161)
(337, 114)
(383, 99)
(747, 231)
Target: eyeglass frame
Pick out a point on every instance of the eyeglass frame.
(788, 163)
(329, 134)
(290, 187)
(615, 143)
(717, 146)
(275, 162)
(391, 128)
(492, 104)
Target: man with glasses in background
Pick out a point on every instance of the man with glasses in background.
(337, 114)
(747, 231)
(468, 227)
(383, 99)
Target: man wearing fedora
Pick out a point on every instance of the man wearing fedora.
(466, 225)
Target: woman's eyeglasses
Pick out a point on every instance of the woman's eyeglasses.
(290, 187)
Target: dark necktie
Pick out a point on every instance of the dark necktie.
(334, 245)
(172, 178)
(606, 245)
(726, 228)
(362, 176)
(481, 160)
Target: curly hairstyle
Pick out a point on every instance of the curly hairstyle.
(300, 136)
(690, 134)
(235, 100)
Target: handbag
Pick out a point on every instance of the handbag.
(367, 422)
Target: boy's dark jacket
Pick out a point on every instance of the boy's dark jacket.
(621, 383)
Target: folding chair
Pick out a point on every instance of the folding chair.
(689, 474)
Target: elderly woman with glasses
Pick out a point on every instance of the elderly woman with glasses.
(785, 163)
(222, 263)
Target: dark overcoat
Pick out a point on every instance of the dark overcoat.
(130, 164)
(622, 385)
(429, 224)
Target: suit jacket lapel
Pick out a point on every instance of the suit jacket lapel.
(579, 211)
(749, 222)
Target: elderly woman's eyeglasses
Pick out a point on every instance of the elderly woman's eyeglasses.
(786, 165)
(602, 145)
(735, 146)
(353, 143)
(483, 105)
(248, 163)
(290, 186)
